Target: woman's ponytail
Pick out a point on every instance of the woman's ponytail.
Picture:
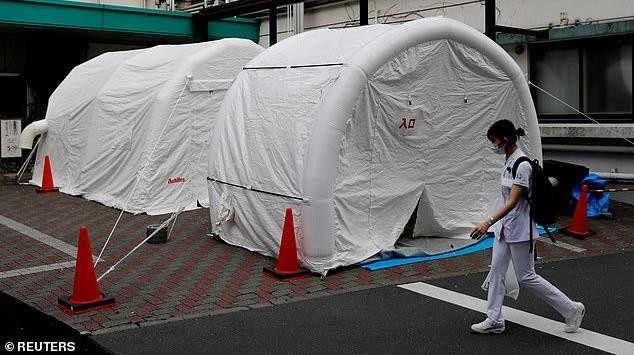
(505, 129)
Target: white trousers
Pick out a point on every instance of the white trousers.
(524, 265)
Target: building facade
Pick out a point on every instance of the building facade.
(577, 54)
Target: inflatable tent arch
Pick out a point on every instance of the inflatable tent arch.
(332, 138)
(130, 129)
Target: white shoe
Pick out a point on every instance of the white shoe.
(573, 323)
(488, 326)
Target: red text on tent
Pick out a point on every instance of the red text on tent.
(407, 123)
(176, 180)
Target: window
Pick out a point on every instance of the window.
(608, 77)
(593, 75)
(557, 71)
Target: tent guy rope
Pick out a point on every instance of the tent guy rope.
(579, 112)
(165, 223)
(174, 215)
(162, 225)
(136, 183)
(250, 188)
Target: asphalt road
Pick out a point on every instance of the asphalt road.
(23, 328)
(394, 320)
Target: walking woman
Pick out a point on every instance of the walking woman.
(512, 239)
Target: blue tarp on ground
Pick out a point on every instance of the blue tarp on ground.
(597, 202)
(542, 231)
(484, 243)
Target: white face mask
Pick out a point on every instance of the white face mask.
(498, 150)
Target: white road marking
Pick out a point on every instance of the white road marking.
(36, 269)
(563, 245)
(584, 336)
(39, 236)
(42, 238)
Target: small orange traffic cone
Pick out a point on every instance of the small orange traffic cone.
(47, 178)
(579, 226)
(86, 296)
(287, 263)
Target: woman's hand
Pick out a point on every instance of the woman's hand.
(480, 229)
(517, 192)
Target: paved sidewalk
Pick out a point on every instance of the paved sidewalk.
(193, 275)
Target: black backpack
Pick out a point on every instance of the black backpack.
(542, 199)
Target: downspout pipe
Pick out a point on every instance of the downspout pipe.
(31, 131)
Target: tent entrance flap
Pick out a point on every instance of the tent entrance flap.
(411, 244)
(408, 230)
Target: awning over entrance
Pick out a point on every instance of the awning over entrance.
(117, 19)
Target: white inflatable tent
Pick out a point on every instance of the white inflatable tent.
(130, 129)
(354, 128)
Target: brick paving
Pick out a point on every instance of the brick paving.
(193, 275)
(16, 254)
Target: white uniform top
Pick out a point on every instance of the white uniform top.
(515, 225)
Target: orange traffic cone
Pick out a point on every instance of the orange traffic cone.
(86, 295)
(287, 263)
(47, 178)
(579, 226)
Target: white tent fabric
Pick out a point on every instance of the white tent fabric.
(354, 128)
(130, 129)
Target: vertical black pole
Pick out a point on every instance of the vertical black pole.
(272, 24)
(202, 27)
(198, 28)
(363, 12)
(489, 19)
(581, 84)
